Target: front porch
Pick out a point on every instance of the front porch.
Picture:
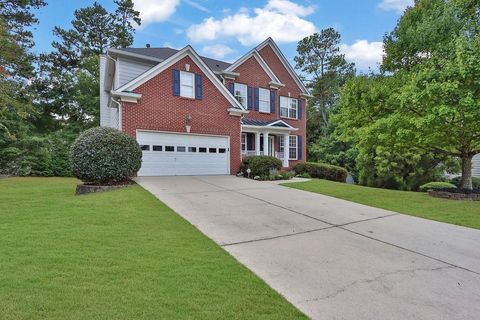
(267, 138)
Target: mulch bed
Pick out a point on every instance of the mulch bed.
(86, 188)
(456, 194)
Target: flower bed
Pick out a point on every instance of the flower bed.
(456, 194)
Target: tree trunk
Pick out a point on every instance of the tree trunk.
(466, 182)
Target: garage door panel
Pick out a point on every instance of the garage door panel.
(182, 161)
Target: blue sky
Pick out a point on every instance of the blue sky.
(227, 29)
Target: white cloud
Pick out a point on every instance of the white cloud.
(280, 19)
(288, 7)
(217, 50)
(395, 5)
(154, 10)
(365, 54)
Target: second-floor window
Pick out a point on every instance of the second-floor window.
(288, 107)
(187, 84)
(240, 93)
(263, 100)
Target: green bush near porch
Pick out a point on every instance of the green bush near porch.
(260, 165)
(321, 171)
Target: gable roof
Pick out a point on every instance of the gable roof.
(284, 61)
(265, 123)
(254, 53)
(163, 53)
(162, 66)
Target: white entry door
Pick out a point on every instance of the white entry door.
(170, 154)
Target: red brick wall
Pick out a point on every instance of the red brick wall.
(159, 110)
(252, 74)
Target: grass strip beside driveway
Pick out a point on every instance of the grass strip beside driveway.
(116, 255)
(419, 204)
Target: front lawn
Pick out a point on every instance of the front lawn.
(116, 255)
(463, 213)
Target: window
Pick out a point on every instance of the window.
(281, 142)
(157, 148)
(187, 84)
(244, 141)
(145, 147)
(169, 148)
(181, 149)
(202, 150)
(292, 147)
(212, 150)
(240, 93)
(263, 100)
(288, 107)
(192, 149)
(222, 150)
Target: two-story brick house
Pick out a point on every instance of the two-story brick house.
(194, 115)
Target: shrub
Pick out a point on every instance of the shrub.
(104, 156)
(475, 182)
(260, 165)
(321, 171)
(436, 186)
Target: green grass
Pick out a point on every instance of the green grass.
(419, 204)
(116, 255)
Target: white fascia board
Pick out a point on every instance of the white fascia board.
(284, 61)
(254, 53)
(306, 96)
(126, 96)
(280, 121)
(237, 112)
(187, 51)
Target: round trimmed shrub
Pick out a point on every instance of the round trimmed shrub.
(105, 156)
(436, 186)
(260, 165)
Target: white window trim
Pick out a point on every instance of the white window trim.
(267, 101)
(281, 144)
(243, 143)
(296, 148)
(288, 107)
(182, 93)
(245, 98)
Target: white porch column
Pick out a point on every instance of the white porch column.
(265, 144)
(257, 143)
(286, 152)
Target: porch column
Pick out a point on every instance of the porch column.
(286, 152)
(257, 143)
(265, 144)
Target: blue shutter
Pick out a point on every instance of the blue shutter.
(176, 82)
(198, 86)
(299, 111)
(257, 100)
(231, 88)
(249, 98)
(299, 147)
(272, 101)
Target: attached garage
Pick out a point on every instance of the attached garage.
(172, 154)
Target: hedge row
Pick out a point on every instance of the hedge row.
(321, 171)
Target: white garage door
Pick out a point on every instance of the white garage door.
(169, 154)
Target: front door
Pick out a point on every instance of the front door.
(271, 146)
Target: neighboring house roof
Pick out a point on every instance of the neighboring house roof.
(165, 53)
(165, 64)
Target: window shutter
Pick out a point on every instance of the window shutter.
(249, 98)
(231, 88)
(257, 100)
(299, 147)
(176, 82)
(272, 101)
(299, 111)
(198, 86)
(249, 142)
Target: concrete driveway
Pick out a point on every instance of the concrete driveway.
(331, 258)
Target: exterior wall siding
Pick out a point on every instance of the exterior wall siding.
(476, 165)
(104, 109)
(159, 110)
(129, 69)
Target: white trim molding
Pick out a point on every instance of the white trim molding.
(187, 51)
(126, 96)
(284, 61)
